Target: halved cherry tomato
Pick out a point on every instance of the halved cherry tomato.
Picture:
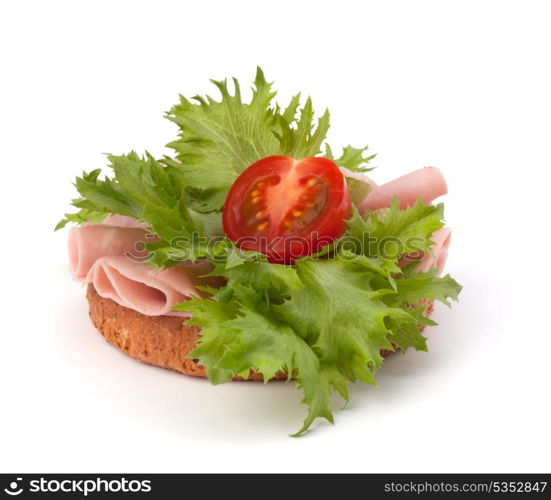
(287, 208)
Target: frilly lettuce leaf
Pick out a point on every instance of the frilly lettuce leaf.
(323, 322)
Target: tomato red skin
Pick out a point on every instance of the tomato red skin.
(281, 245)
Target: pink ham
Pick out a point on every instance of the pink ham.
(428, 183)
(88, 243)
(441, 239)
(149, 291)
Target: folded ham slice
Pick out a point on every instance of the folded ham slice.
(109, 255)
(149, 291)
(441, 239)
(428, 183)
(90, 242)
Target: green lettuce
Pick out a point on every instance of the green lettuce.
(323, 322)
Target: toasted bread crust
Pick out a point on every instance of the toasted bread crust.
(162, 341)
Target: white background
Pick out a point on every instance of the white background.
(465, 86)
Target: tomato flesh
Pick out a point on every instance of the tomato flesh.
(287, 208)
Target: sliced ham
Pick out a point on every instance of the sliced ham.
(441, 239)
(88, 243)
(428, 183)
(139, 287)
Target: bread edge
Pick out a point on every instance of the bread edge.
(163, 341)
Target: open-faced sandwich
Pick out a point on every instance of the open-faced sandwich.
(253, 252)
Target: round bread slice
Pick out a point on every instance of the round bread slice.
(164, 341)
